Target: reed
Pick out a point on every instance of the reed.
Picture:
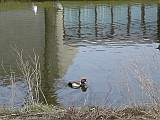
(139, 81)
(32, 75)
(146, 83)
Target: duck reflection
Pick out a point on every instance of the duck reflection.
(84, 88)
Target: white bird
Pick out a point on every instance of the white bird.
(58, 6)
(34, 8)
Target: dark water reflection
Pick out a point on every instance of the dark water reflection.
(96, 41)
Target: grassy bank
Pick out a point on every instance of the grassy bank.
(49, 4)
(83, 113)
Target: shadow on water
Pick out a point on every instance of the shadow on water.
(78, 41)
(56, 54)
(50, 55)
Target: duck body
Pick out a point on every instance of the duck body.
(77, 84)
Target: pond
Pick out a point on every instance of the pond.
(115, 45)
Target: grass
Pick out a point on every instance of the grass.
(34, 109)
(85, 113)
(81, 3)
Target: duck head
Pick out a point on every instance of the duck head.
(83, 80)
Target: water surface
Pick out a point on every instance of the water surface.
(100, 41)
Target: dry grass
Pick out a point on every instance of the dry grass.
(30, 69)
(32, 74)
(86, 113)
(146, 82)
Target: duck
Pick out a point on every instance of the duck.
(77, 84)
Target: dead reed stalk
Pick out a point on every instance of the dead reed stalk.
(148, 87)
(32, 74)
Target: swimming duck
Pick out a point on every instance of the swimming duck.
(77, 84)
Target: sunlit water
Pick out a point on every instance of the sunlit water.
(102, 42)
